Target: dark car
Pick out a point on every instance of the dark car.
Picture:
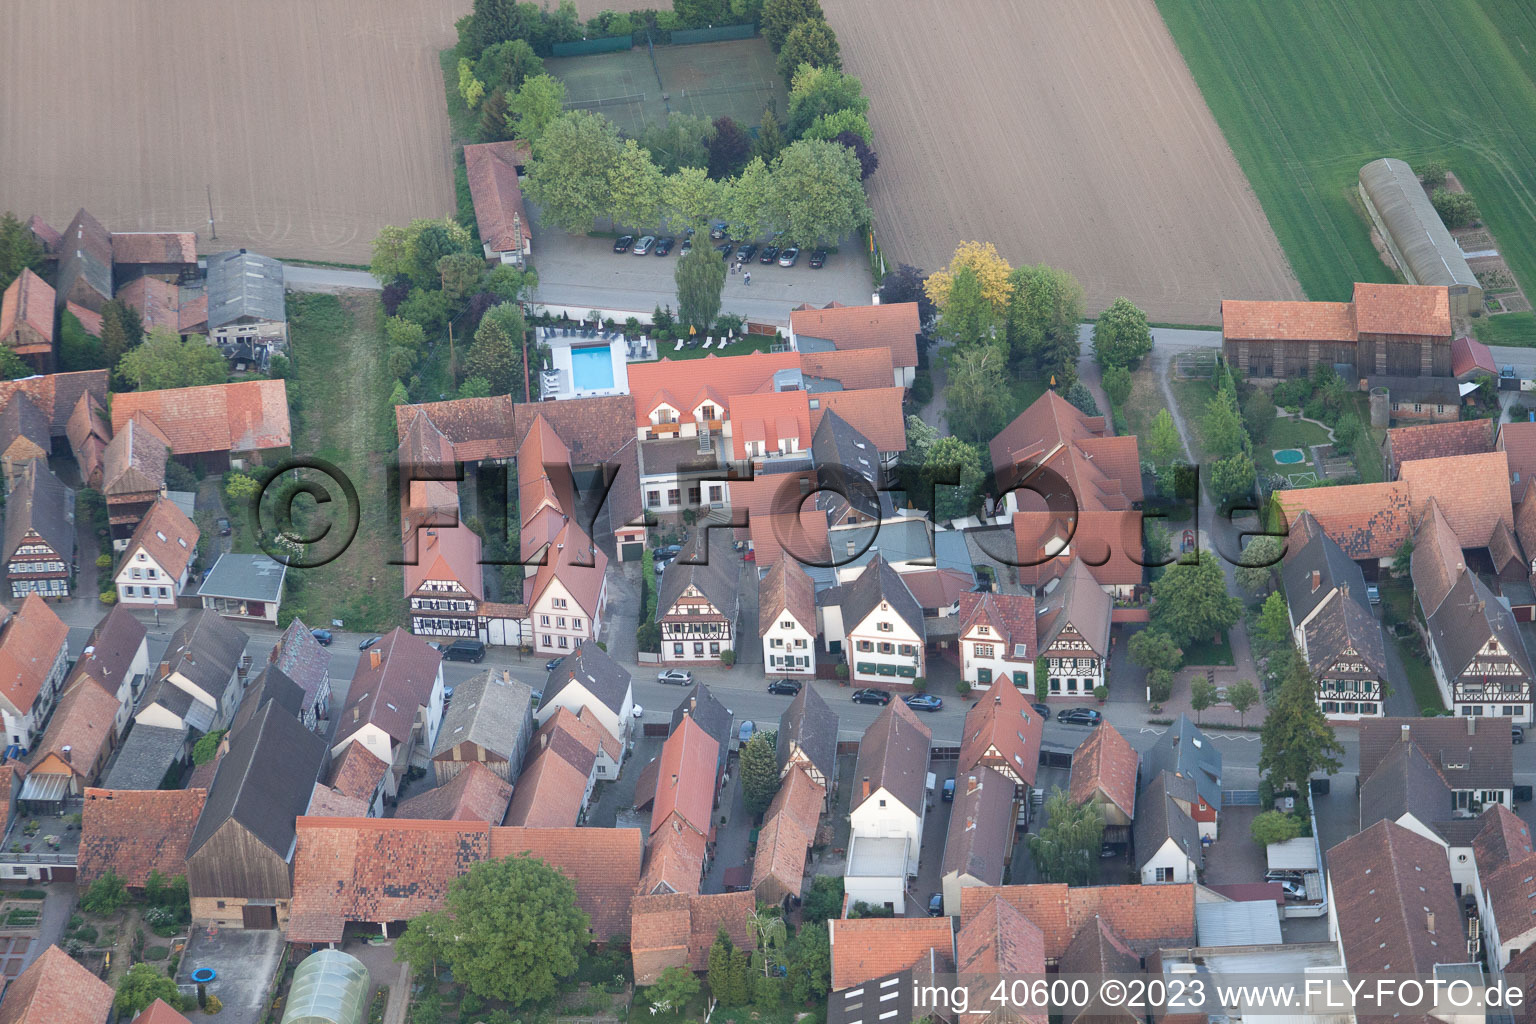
(465, 650)
(746, 252)
(787, 257)
(369, 643)
(936, 905)
(784, 687)
(770, 253)
(322, 637)
(870, 695)
(553, 663)
(1043, 710)
(717, 230)
(725, 249)
(223, 527)
(664, 246)
(1079, 716)
(623, 244)
(536, 697)
(818, 258)
(685, 250)
(947, 794)
(1517, 733)
(923, 702)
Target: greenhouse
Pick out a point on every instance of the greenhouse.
(329, 987)
(1414, 233)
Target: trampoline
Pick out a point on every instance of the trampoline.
(1290, 456)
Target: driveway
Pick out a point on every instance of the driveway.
(246, 962)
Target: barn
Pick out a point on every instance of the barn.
(1418, 240)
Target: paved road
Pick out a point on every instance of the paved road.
(326, 279)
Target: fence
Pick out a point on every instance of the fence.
(685, 36)
(584, 47)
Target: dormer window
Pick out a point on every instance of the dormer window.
(984, 630)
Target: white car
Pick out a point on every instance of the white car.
(1294, 890)
(644, 245)
(675, 676)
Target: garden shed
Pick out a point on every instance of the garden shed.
(1424, 250)
(329, 987)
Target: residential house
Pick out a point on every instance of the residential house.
(216, 425)
(157, 302)
(271, 684)
(851, 479)
(603, 864)
(56, 395)
(75, 747)
(1167, 840)
(712, 716)
(117, 657)
(85, 263)
(170, 256)
(589, 681)
(56, 989)
(568, 593)
(788, 833)
(1474, 757)
(26, 320)
(698, 602)
(492, 169)
(998, 941)
(1096, 950)
(34, 654)
(242, 586)
(1185, 750)
(40, 534)
(247, 315)
(24, 436)
(883, 627)
(133, 833)
(394, 704)
(1518, 443)
(133, 475)
(1408, 788)
(201, 676)
(306, 662)
(888, 808)
(894, 326)
(444, 582)
(981, 833)
(489, 722)
(807, 739)
(997, 640)
(681, 794)
(149, 758)
(553, 790)
(88, 432)
(1146, 918)
(157, 560)
(1502, 885)
(873, 415)
(770, 428)
(475, 794)
(866, 948)
(1105, 772)
(1003, 731)
(1072, 625)
(1436, 441)
(354, 785)
(786, 620)
(678, 930)
(240, 856)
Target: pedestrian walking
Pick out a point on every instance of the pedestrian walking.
(747, 278)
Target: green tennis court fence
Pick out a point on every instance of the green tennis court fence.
(684, 36)
(583, 47)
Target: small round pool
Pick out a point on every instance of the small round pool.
(1290, 456)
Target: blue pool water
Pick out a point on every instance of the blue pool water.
(592, 368)
(1289, 456)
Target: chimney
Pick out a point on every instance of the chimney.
(972, 785)
(997, 698)
(165, 669)
(1430, 921)
(1317, 579)
(506, 676)
(865, 795)
(67, 752)
(375, 658)
(543, 740)
(1404, 736)
(1344, 589)
(1471, 730)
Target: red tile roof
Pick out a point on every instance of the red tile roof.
(244, 416)
(1106, 763)
(549, 791)
(577, 563)
(1518, 442)
(875, 412)
(864, 948)
(803, 534)
(445, 553)
(160, 1012)
(55, 989)
(1438, 440)
(789, 830)
(894, 326)
(47, 235)
(499, 212)
(999, 939)
(157, 302)
(685, 780)
(84, 721)
(855, 369)
(771, 418)
(89, 319)
(1245, 320)
(1054, 436)
(1106, 542)
(132, 832)
(1002, 731)
(1011, 618)
(57, 394)
(1503, 839)
(677, 930)
(1418, 309)
(167, 536)
(1147, 917)
(684, 385)
(29, 648)
(28, 300)
(603, 863)
(1387, 881)
(356, 772)
(1366, 520)
(154, 247)
(1469, 356)
(786, 588)
(1460, 485)
(674, 861)
(475, 794)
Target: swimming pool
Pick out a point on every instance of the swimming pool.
(1290, 456)
(592, 367)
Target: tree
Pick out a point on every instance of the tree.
(1274, 827)
(1223, 426)
(429, 241)
(207, 746)
(780, 16)
(767, 924)
(165, 361)
(951, 459)
(1190, 601)
(474, 387)
(1045, 306)
(700, 277)
(471, 89)
(536, 104)
(1402, 560)
(1272, 632)
(818, 91)
(906, 284)
(141, 986)
(19, 249)
(690, 199)
(1232, 481)
(106, 895)
(241, 487)
(824, 899)
(1457, 209)
(77, 349)
(810, 44)
(749, 201)
(1297, 741)
(571, 171)
(815, 194)
(1152, 649)
(425, 940)
(1121, 336)
(968, 318)
(991, 270)
(1258, 414)
(505, 66)
(497, 352)
(121, 330)
(730, 978)
(978, 392)
(759, 774)
(634, 187)
(12, 366)
(869, 160)
(495, 125)
(515, 930)
(1202, 695)
(1433, 173)
(1160, 684)
(699, 13)
(770, 137)
(1164, 446)
(729, 146)
(460, 273)
(843, 122)
(1067, 848)
(810, 963)
(682, 140)
(1242, 695)
(672, 990)
(1117, 384)
(1258, 561)
(511, 284)
(1082, 399)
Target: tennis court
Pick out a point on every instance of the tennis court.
(633, 88)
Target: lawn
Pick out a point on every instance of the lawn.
(1146, 399)
(1192, 397)
(1288, 433)
(1507, 329)
(740, 347)
(1307, 93)
(1368, 460)
(1203, 653)
(342, 416)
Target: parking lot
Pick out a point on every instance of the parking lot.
(583, 272)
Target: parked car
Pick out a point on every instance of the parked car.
(923, 702)
(369, 643)
(744, 733)
(818, 258)
(675, 676)
(788, 257)
(1079, 716)
(624, 242)
(644, 245)
(717, 230)
(223, 527)
(1294, 890)
(1373, 593)
(936, 905)
(686, 248)
(1108, 850)
(1517, 734)
(770, 253)
(746, 252)
(322, 637)
(1043, 710)
(785, 687)
(870, 695)
(664, 246)
(725, 250)
(465, 650)
(536, 697)
(553, 663)
(947, 794)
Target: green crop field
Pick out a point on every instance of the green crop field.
(1309, 91)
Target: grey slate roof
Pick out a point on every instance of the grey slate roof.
(244, 577)
(712, 716)
(206, 650)
(22, 418)
(1320, 554)
(1185, 750)
(490, 709)
(1465, 621)
(146, 755)
(715, 576)
(894, 755)
(1482, 758)
(42, 503)
(302, 659)
(271, 686)
(1079, 601)
(592, 667)
(847, 466)
(979, 825)
(879, 582)
(264, 782)
(1159, 818)
(1405, 782)
(244, 285)
(907, 540)
(812, 723)
(1346, 623)
(110, 651)
(188, 709)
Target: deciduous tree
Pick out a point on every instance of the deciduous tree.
(691, 199)
(19, 249)
(730, 147)
(810, 963)
(1232, 481)
(955, 471)
(700, 282)
(811, 43)
(1190, 601)
(1117, 385)
(759, 774)
(1271, 635)
(817, 91)
(165, 361)
(536, 104)
(849, 122)
(1121, 335)
(770, 136)
(1045, 306)
(869, 160)
(106, 895)
(672, 990)
(1274, 827)
(634, 187)
(471, 89)
(12, 366)
(1202, 695)
(816, 192)
(1153, 648)
(968, 317)
(1164, 445)
(505, 66)
(1257, 564)
(991, 270)
(824, 899)
(978, 392)
(906, 284)
(1242, 695)
(1457, 209)
(141, 986)
(1067, 848)
(77, 349)
(572, 170)
(780, 16)
(1223, 427)
(682, 140)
